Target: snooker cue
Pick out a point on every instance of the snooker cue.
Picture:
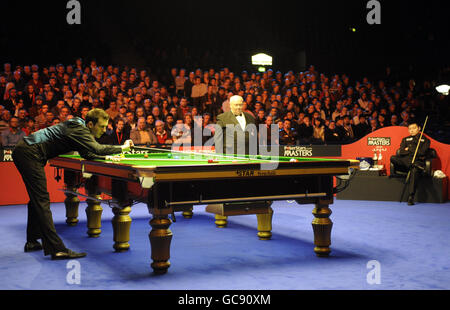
(414, 159)
(192, 153)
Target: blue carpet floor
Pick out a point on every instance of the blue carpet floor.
(411, 245)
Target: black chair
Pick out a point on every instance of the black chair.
(428, 171)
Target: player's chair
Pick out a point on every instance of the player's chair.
(428, 171)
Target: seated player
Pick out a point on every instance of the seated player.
(403, 161)
(30, 157)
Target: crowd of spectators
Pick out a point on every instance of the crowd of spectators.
(308, 107)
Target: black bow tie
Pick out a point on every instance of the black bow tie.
(238, 115)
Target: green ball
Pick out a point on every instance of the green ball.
(169, 155)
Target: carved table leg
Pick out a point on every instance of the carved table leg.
(94, 217)
(322, 229)
(71, 202)
(265, 225)
(187, 214)
(160, 239)
(221, 221)
(121, 223)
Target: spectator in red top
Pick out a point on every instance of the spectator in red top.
(30, 127)
(161, 134)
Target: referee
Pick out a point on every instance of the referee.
(30, 157)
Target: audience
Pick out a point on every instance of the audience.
(308, 107)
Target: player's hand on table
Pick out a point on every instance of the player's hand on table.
(115, 158)
(126, 147)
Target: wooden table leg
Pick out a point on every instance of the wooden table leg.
(160, 238)
(94, 217)
(265, 225)
(121, 223)
(71, 202)
(322, 229)
(221, 221)
(187, 214)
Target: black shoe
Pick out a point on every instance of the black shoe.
(32, 246)
(69, 254)
(411, 200)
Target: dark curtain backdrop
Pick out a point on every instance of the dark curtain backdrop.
(412, 36)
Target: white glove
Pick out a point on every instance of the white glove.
(439, 174)
(126, 147)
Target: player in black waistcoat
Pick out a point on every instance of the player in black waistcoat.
(30, 157)
(402, 162)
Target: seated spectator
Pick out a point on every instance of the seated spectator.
(122, 114)
(49, 116)
(4, 121)
(130, 121)
(84, 112)
(332, 134)
(141, 135)
(64, 112)
(22, 115)
(182, 109)
(340, 128)
(260, 118)
(318, 131)
(150, 122)
(57, 108)
(30, 127)
(265, 135)
(40, 119)
(156, 112)
(119, 134)
(363, 127)
(179, 82)
(169, 122)
(75, 110)
(305, 131)
(349, 129)
(373, 124)
(36, 107)
(381, 120)
(12, 136)
(394, 120)
(287, 135)
(55, 121)
(405, 119)
(140, 112)
(162, 135)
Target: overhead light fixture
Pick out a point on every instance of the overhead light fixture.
(261, 59)
(443, 89)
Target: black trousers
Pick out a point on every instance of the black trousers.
(29, 162)
(403, 163)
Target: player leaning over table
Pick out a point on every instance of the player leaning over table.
(30, 157)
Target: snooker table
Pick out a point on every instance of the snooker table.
(175, 181)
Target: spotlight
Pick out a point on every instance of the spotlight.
(443, 89)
